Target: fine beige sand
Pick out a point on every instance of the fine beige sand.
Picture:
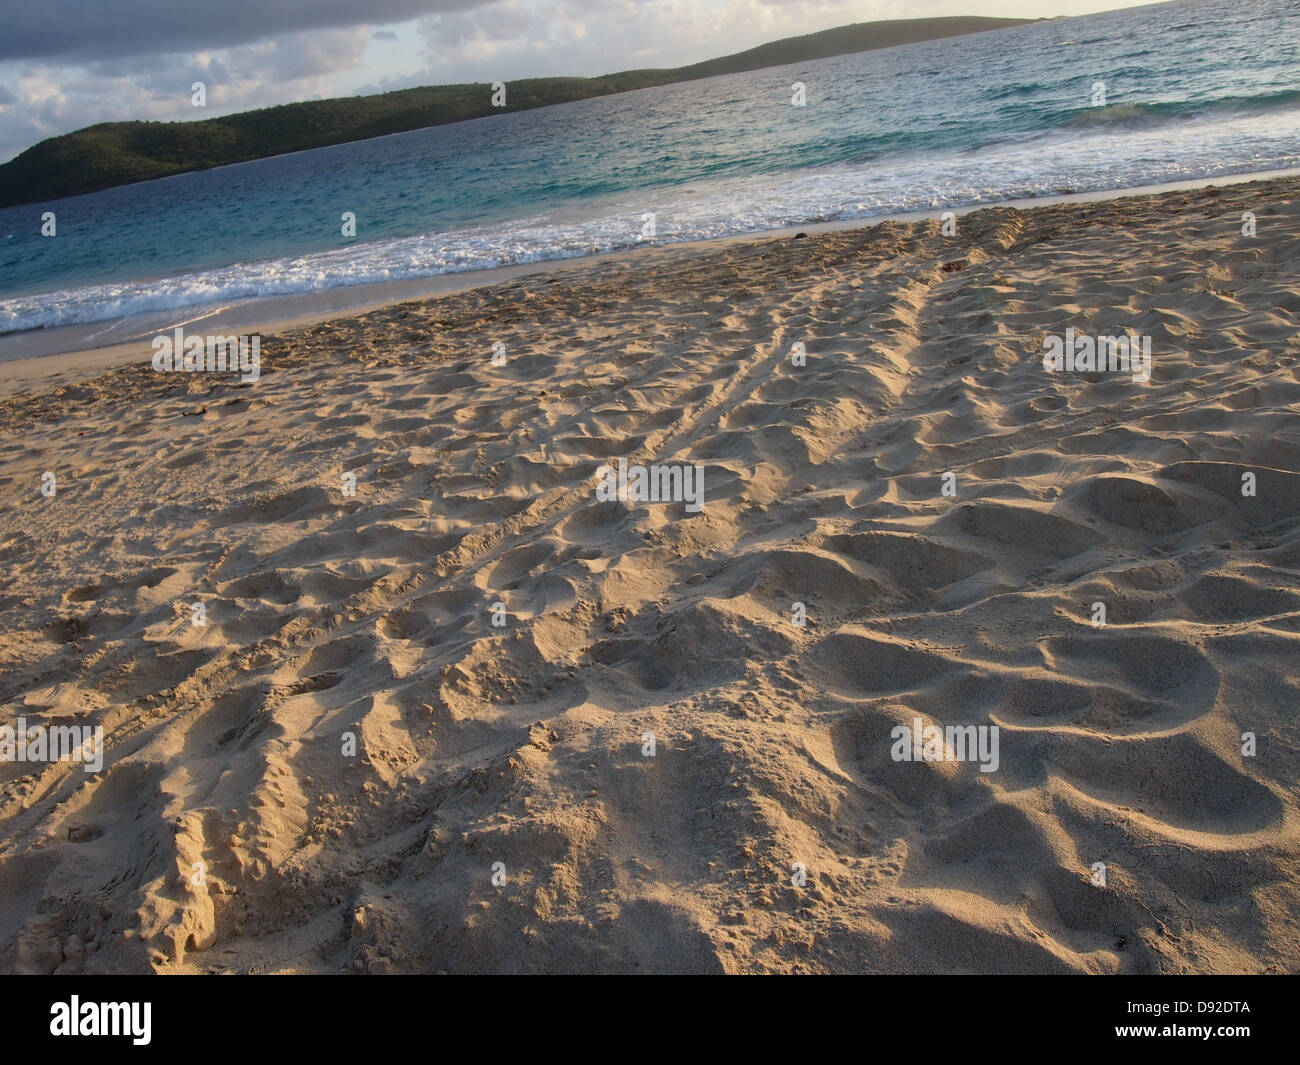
(231, 830)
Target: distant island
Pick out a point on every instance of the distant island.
(120, 153)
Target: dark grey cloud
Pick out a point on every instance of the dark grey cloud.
(109, 29)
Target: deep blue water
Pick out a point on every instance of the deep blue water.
(1194, 89)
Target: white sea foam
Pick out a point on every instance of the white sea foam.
(1097, 161)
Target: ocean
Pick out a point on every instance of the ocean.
(1192, 90)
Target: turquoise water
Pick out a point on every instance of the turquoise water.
(1193, 90)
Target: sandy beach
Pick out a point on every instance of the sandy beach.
(457, 713)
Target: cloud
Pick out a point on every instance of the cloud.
(512, 39)
(96, 29)
(591, 37)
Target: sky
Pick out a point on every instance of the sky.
(65, 64)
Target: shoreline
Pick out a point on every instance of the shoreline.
(48, 357)
(904, 515)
